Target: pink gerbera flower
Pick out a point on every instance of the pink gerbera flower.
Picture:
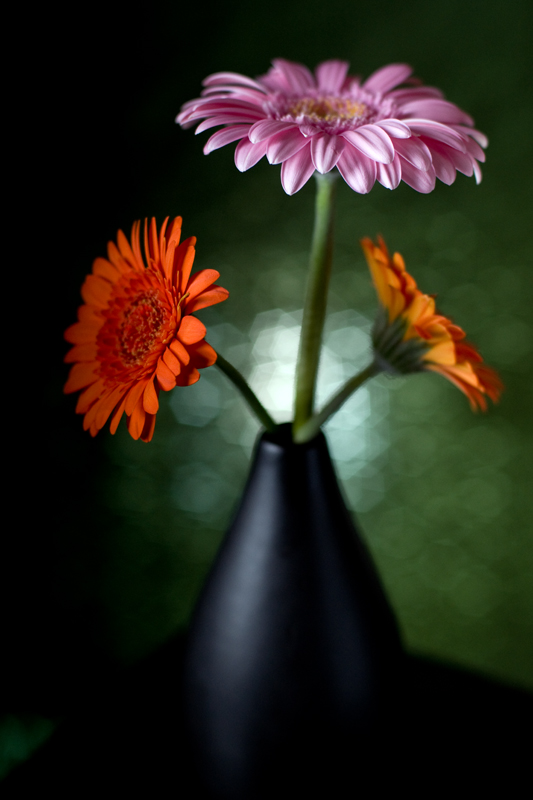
(369, 130)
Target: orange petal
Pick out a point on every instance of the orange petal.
(203, 355)
(81, 375)
(188, 377)
(201, 280)
(166, 378)
(184, 259)
(442, 353)
(172, 362)
(81, 352)
(175, 231)
(208, 298)
(126, 251)
(151, 245)
(136, 244)
(106, 270)
(116, 259)
(191, 330)
(89, 315)
(148, 429)
(89, 420)
(150, 401)
(82, 332)
(96, 291)
(89, 396)
(474, 395)
(117, 416)
(162, 240)
(134, 395)
(179, 350)
(107, 404)
(422, 306)
(168, 263)
(463, 372)
(136, 421)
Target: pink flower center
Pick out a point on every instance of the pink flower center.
(315, 112)
(327, 109)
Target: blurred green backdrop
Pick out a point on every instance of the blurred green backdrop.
(121, 534)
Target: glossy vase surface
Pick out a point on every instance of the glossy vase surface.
(293, 649)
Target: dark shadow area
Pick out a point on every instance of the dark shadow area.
(126, 733)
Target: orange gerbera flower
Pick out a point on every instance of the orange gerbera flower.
(410, 335)
(136, 333)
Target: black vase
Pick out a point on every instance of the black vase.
(293, 654)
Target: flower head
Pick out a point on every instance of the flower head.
(410, 335)
(370, 130)
(136, 334)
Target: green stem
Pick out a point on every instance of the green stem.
(312, 426)
(315, 301)
(251, 398)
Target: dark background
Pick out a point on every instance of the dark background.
(108, 541)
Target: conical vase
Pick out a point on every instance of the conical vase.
(293, 651)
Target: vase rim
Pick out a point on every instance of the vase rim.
(282, 436)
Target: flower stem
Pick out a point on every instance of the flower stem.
(251, 398)
(315, 301)
(311, 427)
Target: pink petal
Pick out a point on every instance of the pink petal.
(309, 129)
(421, 180)
(461, 161)
(225, 105)
(442, 164)
(296, 171)
(395, 128)
(390, 175)
(358, 171)
(438, 131)
(415, 152)
(326, 151)
(374, 142)
(285, 145)
(231, 77)
(475, 150)
(225, 136)
(477, 172)
(224, 119)
(297, 77)
(437, 110)
(183, 121)
(479, 137)
(266, 128)
(248, 154)
(387, 77)
(251, 96)
(331, 75)
(415, 93)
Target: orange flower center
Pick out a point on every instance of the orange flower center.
(327, 109)
(139, 321)
(140, 327)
